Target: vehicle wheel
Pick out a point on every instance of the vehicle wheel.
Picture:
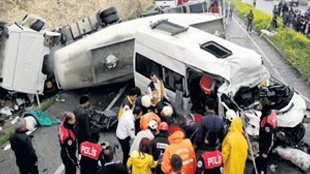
(298, 133)
(111, 19)
(107, 12)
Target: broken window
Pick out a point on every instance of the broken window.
(146, 66)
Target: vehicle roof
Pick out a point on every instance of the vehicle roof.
(185, 47)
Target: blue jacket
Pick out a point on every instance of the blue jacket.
(210, 122)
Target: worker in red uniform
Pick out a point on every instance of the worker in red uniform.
(90, 153)
(268, 124)
(68, 143)
(211, 161)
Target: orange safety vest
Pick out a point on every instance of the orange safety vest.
(64, 133)
(90, 150)
(271, 119)
(146, 118)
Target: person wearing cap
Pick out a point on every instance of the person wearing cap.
(90, 154)
(144, 101)
(210, 122)
(211, 161)
(125, 130)
(128, 101)
(68, 143)
(268, 124)
(146, 118)
(149, 133)
(82, 124)
(141, 160)
(156, 89)
(234, 147)
(181, 146)
(159, 144)
(176, 164)
(110, 166)
(26, 158)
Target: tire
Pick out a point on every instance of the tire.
(111, 19)
(298, 133)
(107, 12)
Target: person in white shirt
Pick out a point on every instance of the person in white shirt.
(148, 133)
(126, 130)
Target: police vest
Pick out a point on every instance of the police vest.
(90, 150)
(212, 159)
(65, 133)
(271, 119)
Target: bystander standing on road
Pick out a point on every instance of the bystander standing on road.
(26, 158)
(254, 3)
(82, 125)
(250, 18)
(275, 15)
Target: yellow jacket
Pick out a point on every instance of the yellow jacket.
(141, 163)
(234, 149)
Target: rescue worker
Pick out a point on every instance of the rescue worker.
(156, 89)
(159, 144)
(82, 124)
(128, 101)
(182, 147)
(125, 130)
(110, 165)
(146, 118)
(68, 143)
(149, 133)
(211, 161)
(144, 101)
(26, 158)
(234, 148)
(90, 153)
(210, 122)
(268, 124)
(164, 110)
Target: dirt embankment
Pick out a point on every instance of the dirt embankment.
(62, 12)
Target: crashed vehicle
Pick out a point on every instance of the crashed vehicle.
(195, 65)
(91, 52)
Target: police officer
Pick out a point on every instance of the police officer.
(211, 161)
(68, 143)
(90, 153)
(159, 144)
(268, 124)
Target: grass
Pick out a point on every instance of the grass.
(295, 46)
(44, 106)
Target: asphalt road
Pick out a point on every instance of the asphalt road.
(46, 140)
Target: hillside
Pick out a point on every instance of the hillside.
(61, 12)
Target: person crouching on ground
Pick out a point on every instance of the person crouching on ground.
(141, 161)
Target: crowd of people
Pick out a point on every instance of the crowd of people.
(292, 18)
(153, 139)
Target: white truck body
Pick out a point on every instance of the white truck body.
(23, 58)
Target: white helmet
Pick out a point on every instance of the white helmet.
(146, 101)
(168, 111)
(230, 115)
(153, 125)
